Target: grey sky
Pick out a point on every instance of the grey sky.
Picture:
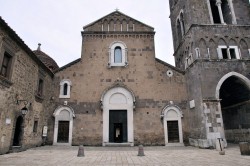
(57, 24)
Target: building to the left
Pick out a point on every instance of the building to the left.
(23, 78)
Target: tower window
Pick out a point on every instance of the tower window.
(221, 12)
(226, 11)
(231, 52)
(224, 53)
(215, 12)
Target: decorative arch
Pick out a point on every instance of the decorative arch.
(222, 42)
(118, 100)
(212, 49)
(124, 25)
(243, 44)
(172, 120)
(232, 42)
(240, 76)
(245, 53)
(63, 120)
(202, 46)
(111, 25)
(105, 25)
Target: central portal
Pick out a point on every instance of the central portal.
(118, 124)
(118, 130)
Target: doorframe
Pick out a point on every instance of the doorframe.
(58, 118)
(128, 105)
(177, 118)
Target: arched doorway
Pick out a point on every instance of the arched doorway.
(234, 93)
(18, 132)
(63, 125)
(172, 126)
(118, 103)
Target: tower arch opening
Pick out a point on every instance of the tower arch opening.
(234, 94)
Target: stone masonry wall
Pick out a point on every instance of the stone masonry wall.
(145, 76)
(21, 85)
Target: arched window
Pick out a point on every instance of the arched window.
(65, 87)
(179, 32)
(118, 55)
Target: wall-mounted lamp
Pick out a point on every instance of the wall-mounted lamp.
(24, 110)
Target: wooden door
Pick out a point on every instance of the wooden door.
(173, 131)
(63, 132)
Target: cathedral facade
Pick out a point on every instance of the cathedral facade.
(119, 94)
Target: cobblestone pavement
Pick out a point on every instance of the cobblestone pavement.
(111, 156)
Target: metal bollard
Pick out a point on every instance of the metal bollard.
(80, 151)
(140, 151)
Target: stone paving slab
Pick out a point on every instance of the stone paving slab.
(125, 156)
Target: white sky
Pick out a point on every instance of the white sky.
(57, 24)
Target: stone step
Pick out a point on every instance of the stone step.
(125, 144)
(16, 149)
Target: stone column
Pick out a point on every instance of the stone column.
(232, 12)
(218, 4)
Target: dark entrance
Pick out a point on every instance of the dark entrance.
(63, 132)
(235, 104)
(18, 132)
(118, 130)
(173, 131)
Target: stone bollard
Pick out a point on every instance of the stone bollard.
(220, 145)
(244, 148)
(80, 151)
(140, 151)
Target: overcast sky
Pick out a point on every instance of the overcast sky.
(57, 24)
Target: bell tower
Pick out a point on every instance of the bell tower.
(212, 45)
(193, 22)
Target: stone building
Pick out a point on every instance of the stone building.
(211, 43)
(23, 78)
(118, 94)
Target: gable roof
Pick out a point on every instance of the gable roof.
(116, 12)
(170, 66)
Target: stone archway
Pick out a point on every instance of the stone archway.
(118, 127)
(63, 127)
(172, 126)
(18, 132)
(234, 92)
